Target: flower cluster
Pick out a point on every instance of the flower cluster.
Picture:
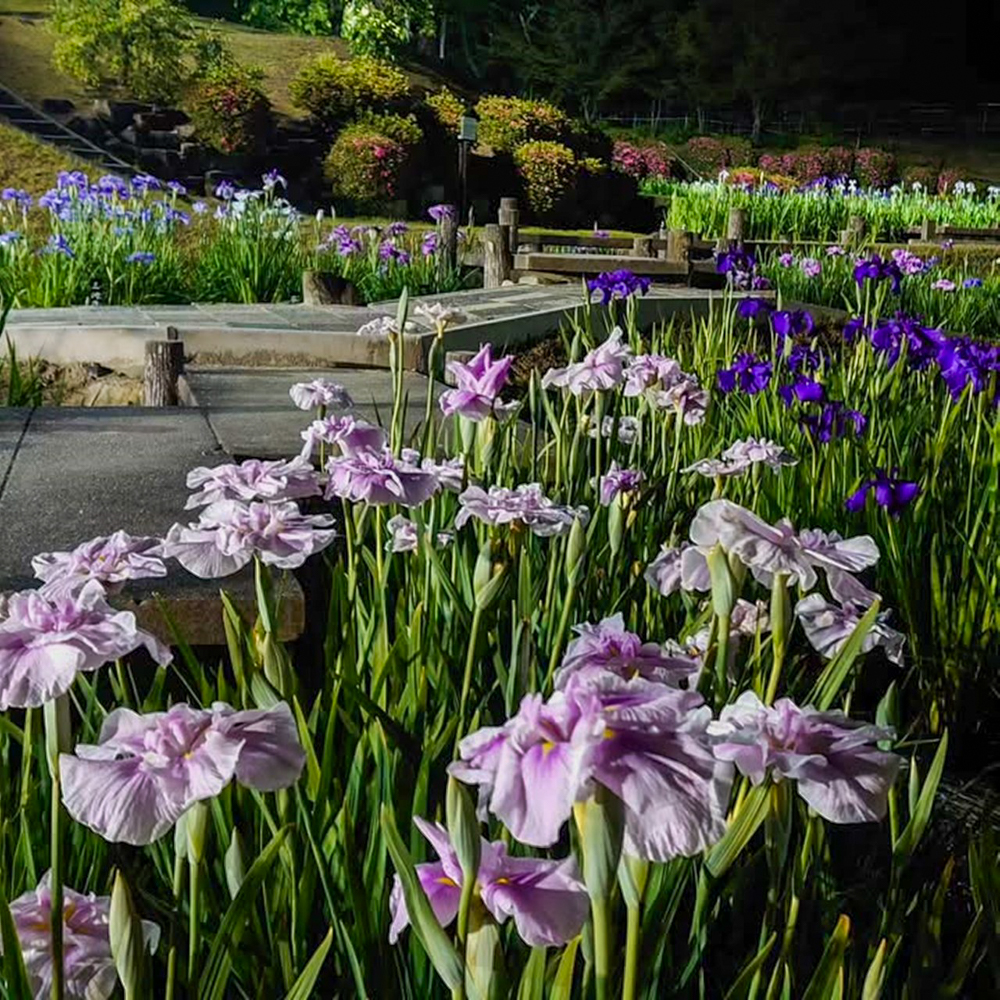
(617, 285)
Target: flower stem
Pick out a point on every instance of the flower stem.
(470, 659)
(560, 633)
(179, 859)
(57, 738)
(599, 917)
(194, 886)
(631, 952)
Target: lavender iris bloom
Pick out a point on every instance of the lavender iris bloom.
(628, 428)
(430, 244)
(618, 481)
(253, 480)
(768, 549)
(834, 421)
(228, 534)
(875, 270)
(742, 456)
(833, 760)
(146, 771)
(890, 492)
(944, 285)
(795, 323)
(645, 742)
(601, 369)
(650, 371)
(88, 965)
(829, 626)
(403, 535)
(786, 259)
(441, 212)
(810, 267)
(751, 308)
(319, 392)
(972, 283)
(680, 568)
(478, 387)
(46, 641)
(349, 434)
(376, 477)
(804, 390)
(143, 257)
(110, 560)
(614, 285)
(547, 900)
(609, 647)
(58, 244)
(523, 506)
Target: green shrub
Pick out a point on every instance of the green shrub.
(386, 27)
(138, 45)
(334, 90)
(925, 176)
(547, 169)
(365, 165)
(447, 108)
(228, 108)
(508, 122)
(401, 128)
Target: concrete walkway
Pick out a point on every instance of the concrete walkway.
(285, 335)
(68, 475)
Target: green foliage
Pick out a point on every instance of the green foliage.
(365, 164)
(507, 122)
(334, 90)
(383, 28)
(306, 17)
(447, 108)
(229, 108)
(400, 128)
(547, 170)
(138, 45)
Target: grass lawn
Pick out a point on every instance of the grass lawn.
(30, 164)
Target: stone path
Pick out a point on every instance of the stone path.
(68, 475)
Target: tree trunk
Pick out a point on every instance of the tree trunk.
(758, 116)
(442, 36)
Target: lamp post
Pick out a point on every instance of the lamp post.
(468, 132)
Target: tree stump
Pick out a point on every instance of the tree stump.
(508, 216)
(735, 226)
(496, 255)
(448, 252)
(323, 288)
(642, 246)
(164, 364)
(678, 245)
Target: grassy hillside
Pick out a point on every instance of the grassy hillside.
(28, 163)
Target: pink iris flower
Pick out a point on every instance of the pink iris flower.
(253, 480)
(110, 560)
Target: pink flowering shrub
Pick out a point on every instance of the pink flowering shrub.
(706, 155)
(365, 165)
(926, 177)
(875, 167)
(804, 165)
(770, 163)
(640, 160)
(229, 110)
(507, 122)
(838, 161)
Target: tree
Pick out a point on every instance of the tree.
(139, 45)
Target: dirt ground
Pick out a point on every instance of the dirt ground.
(81, 384)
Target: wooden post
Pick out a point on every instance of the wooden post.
(678, 245)
(508, 216)
(855, 231)
(324, 288)
(735, 226)
(642, 246)
(928, 231)
(496, 255)
(164, 364)
(662, 235)
(448, 253)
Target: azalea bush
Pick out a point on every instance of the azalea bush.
(365, 164)
(447, 107)
(641, 160)
(229, 109)
(547, 170)
(508, 122)
(647, 684)
(335, 90)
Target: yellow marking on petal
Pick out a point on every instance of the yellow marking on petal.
(609, 734)
(501, 881)
(444, 880)
(547, 747)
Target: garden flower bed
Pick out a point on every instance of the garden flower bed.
(688, 618)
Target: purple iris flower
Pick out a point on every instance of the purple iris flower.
(922, 343)
(875, 269)
(944, 285)
(478, 386)
(803, 390)
(738, 261)
(891, 492)
(143, 183)
(175, 187)
(17, 195)
(45, 641)
(786, 259)
(810, 267)
(110, 560)
(797, 323)
(523, 506)
(833, 422)
(320, 392)
(273, 179)
(430, 244)
(546, 898)
(146, 771)
(617, 481)
(228, 534)
(803, 358)
(618, 285)
(645, 742)
(972, 283)
(143, 257)
(680, 568)
(253, 480)
(742, 456)
(376, 477)
(88, 965)
(225, 190)
(58, 244)
(396, 229)
(749, 374)
(834, 761)
(608, 647)
(751, 308)
(760, 283)
(967, 362)
(828, 627)
(601, 369)
(9, 238)
(441, 212)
